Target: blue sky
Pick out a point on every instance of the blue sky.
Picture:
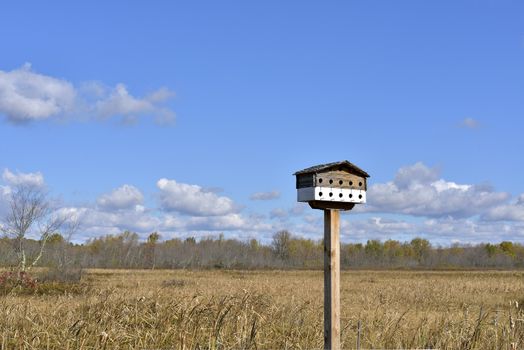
(134, 114)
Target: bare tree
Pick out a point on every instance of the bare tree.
(69, 228)
(30, 212)
(281, 244)
(150, 253)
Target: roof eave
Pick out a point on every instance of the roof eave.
(323, 167)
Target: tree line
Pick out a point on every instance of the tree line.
(30, 210)
(286, 251)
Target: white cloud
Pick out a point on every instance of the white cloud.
(5, 192)
(471, 231)
(161, 95)
(124, 197)
(212, 189)
(298, 209)
(283, 214)
(448, 209)
(442, 230)
(507, 212)
(265, 196)
(311, 218)
(279, 213)
(122, 209)
(416, 174)
(29, 179)
(229, 222)
(417, 190)
(27, 96)
(97, 220)
(121, 103)
(438, 230)
(470, 123)
(441, 186)
(376, 228)
(192, 200)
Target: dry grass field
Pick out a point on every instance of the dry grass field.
(123, 309)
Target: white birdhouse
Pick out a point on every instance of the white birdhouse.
(338, 185)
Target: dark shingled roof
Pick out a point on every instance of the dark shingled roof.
(329, 166)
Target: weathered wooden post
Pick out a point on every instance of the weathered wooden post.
(332, 187)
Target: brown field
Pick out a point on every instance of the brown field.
(123, 309)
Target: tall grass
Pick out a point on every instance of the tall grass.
(268, 310)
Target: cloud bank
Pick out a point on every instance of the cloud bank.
(124, 197)
(265, 196)
(192, 200)
(27, 96)
(27, 179)
(416, 202)
(419, 191)
(507, 212)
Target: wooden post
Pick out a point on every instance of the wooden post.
(332, 279)
(332, 187)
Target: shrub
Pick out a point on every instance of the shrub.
(60, 281)
(17, 281)
(63, 275)
(49, 283)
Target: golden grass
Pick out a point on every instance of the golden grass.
(182, 309)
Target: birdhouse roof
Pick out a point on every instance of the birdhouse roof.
(343, 165)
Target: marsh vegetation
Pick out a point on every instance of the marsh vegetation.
(224, 309)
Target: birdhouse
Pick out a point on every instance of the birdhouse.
(338, 185)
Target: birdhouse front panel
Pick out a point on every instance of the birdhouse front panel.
(340, 182)
(332, 194)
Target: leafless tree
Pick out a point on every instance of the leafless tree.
(281, 244)
(30, 212)
(69, 227)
